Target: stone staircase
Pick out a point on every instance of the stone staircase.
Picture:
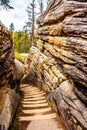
(36, 112)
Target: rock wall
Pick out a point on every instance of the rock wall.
(8, 105)
(8, 96)
(6, 52)
(58, 60)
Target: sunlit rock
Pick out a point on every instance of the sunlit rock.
(59, 63)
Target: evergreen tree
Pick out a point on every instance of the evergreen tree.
(33, 19)
(30, 24)
(21, 42)
(5, 4)
(41, 5)
(11, 27)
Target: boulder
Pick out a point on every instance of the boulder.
(58, 61)
(18, 73)
(8, 105)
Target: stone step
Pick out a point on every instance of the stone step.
(38, 95)
(24, 85)
(37, 117)
(34, 93)
(36, 110)
(34, 98)
(33, 102)
(41, 110)
(27, 87)
(30, 89)
(45, 124)
(35, 105)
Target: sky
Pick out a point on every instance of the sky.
(18, 15)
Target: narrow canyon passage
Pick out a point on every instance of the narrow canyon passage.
(36, 113)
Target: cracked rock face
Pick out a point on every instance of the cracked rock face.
(58, 61)
(6, 56)
(8, 97)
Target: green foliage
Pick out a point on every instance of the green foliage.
(11, 27)
(22, 42)
(19, 57)
(5, 4)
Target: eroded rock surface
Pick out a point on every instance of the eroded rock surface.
(8, 105)
(58, 61)
(6, 56)
(8, 96)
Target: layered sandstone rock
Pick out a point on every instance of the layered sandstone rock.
(8, 96)
(8, 105)
(6, 56)
(58, 61)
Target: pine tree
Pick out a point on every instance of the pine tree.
(33, 19)
(30, 24)
(41, 5)
(11, 27)
(5, 4)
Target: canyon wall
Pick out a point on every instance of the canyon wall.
(8, 95)
(58, 60)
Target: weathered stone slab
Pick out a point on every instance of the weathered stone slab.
(8, 107)
(38, 117)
